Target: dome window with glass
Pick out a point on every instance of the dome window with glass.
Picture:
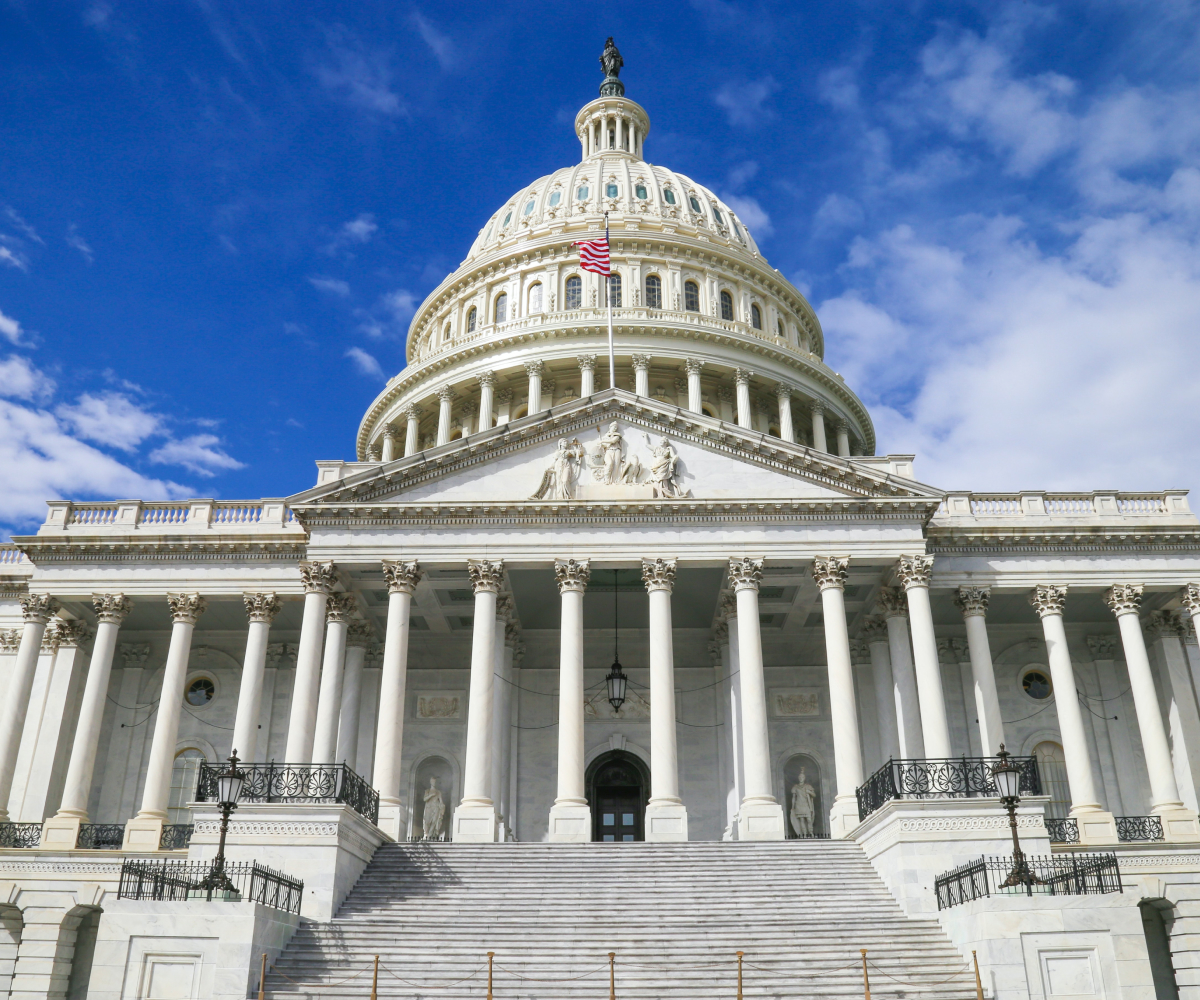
(669, 196)
(654, 291)
(695, 203)
(756, 317)
(612, 191)
(555, 198)
(471, 314)
(507, 219)
(502, 307)
(691, 297)
(726, 306)
(640, 191)
(574, 292)
(529, 207)
(582, 193)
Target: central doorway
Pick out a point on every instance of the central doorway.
(618, 784)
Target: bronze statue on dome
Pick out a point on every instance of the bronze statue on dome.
(611, 62)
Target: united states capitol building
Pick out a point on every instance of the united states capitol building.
(674, 665)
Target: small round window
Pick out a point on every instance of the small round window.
(555, 198)
(669, 195)
(582, 193)
(529, 208)
(640, 191)
(507, 220)
(201, 691)
(1037, 685)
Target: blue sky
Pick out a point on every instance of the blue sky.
(216, 219)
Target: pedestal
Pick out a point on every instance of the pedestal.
(843, 817)
(393, 820)
(474, 825)
(666, 821)
(570, 824)
(760, 821)
(1180, 826)
(1096, 828)
(143, 833)
(61, 833)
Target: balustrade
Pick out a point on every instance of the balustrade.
(948, 778)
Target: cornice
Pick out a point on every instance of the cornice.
(1084, 540)
(43, 549)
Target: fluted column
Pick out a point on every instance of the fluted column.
(475, 817)
(875, 632)
(695, 396)
(830, 576)
(761, 815)
(745, 416)
(783, 394)
(402, 579)
(535, 370)
(144, 831)
(445, 397)
(818, 425)
(37, 610)
(338, 613)
(487, 388)
(63, 829)
(412, 430)
(318, 580)
(1095, 825)
(973, 603)
(358, 637)
(570, 816)
(914, 573)
(666, 816)
(261, 609)
(388, 451)
(641, 374)
(1125, 601)
(501, 716)
(894, 606)
(587, 375)
(843, 438)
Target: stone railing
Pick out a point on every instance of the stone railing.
(1078, 507)
(10, 555)
(182, 517)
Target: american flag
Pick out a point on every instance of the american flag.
(593, 255)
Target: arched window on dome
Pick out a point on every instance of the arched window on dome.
(582, 193)
(691, 296)
(779, 324)
(574, 292)
(640, 191)
(614, 286)
(472, 313)
(507, 219)
(654, 291)
(446, 334)
(669, 196)
(535, 298)
(755, 317)
(502, 307)
(695, 202)
(717, 215)
(726, 306)
(611, 191)
(555, 198)
(529, 207)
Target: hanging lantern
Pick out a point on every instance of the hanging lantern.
(616, 681)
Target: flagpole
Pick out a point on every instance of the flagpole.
(612, 363)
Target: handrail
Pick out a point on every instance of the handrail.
(272, 782)
(1058, 875)
(940, 778)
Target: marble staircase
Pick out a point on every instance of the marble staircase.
(675, 914)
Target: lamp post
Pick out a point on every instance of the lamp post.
(229, 790)
(1008, 783)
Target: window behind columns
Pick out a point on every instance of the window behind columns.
(535, 298)
(691, 296)
(756, 317)
(614, 289)
(654, 291)
(726, 306)
(184, 774)
(471, 320)
(1053, 768)
(574, 292)
(502, 307)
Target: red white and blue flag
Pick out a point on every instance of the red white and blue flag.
(593, 255)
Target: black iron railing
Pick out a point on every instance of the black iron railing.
(101, 837)
(176, 881)
(1062, 831)
(954, 777)
(296, 783)
(20, 834)
(176, 836)
(1058, 875)
(1131, 829)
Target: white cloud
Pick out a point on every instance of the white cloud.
(15, 218)
(199, 453)
(357, 231)
(334, 286)
(10, 329)
(110, 418)
(360, 77)
(364, 362)
(744, 101)
(77, 242)
(13, 259)
(752, 214)
(401, 304)
(20, 380)
(837, 212)
(439, 44)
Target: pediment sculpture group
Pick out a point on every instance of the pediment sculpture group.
(611, 463)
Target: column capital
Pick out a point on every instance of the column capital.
(952, 650)
(504, 395)
(445, 393)
(893, 603)
(745, 574)
(469, 408)
(537, 368)
(341, 607)
(318, 578)
(389, 432)
(914, 571)
(726, 608)
(262, 607)
(586, 362)
(360, 633)
(830, 571)
(874, 629)
(412, 412)
(402, 577)
(10, 640)
(816, 406)
(720, 635)
(506, 610)
(487, 378)
(658, 574)
(742, 376)
(486, 575)
(972, 601)
(1164, 625)
(860, 652)
(512, 634)
(693, 365)
(640, 362)
(1048, 599)
(1103, 647)
(1124, 598)
(1191, 598)
(186, 608)
(111, 608)
(69, 632)
(572, 575)
(843, 425)
(783, 391)
(38, 608)
(135, 654)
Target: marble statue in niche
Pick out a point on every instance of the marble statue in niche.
(803, 806)
(435, 812)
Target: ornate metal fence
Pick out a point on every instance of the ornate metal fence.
(1058, 875)
(177, 881)
(101, 837)
(954, 777)
(296, 783)
(1139, 828)
(1062, 831)
(20, 834)
(176, 836)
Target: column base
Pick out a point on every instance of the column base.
(474, 824)
(393, 820)
(570, 823)
(666, 821)
(61, 833)
(843, 817)
(1180, 826)
(1097, 828)
(760, 821)
(143, 833)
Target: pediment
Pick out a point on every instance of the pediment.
(614, 447)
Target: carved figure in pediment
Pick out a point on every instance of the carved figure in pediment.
(435, 812)
(558, 481)
(612, 467)
(663, 473)
(804, 798)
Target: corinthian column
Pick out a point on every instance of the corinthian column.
(535, 370)
(761, 815)
(37, 610)
(502, 718)
(261, 609)
(62, 831)
(695, 396)
(570, 817)
(745, 416)
(144, 831)
(389, 445)
(358, 636)
(487, 386)
(475, 818)
(894, 607)
(402, 579)
(1095, 825)
(412, 430)
(914, 573)
(318, 580)
(818, 425)
(666, 816)
(875, 632)
(587, 375)
(783, 394)
(973, 603)
(830, 575)
(641, 374)
(340, 609)
(445, 397)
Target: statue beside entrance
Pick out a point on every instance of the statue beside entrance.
(803, 806)
(435, 812)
